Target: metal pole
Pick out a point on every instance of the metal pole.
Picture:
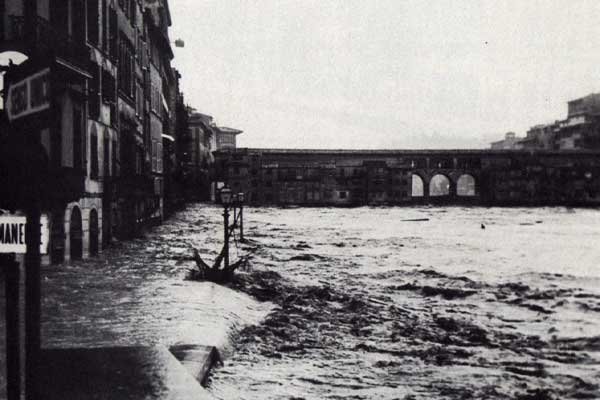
(226, 223)
(32, 238)
(13, 342)
(241, 223)
(32, 301)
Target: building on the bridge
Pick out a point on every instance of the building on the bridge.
(510, 142)
(103, 113)
(397, 177)
(346, 177)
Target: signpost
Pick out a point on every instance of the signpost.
(13, 234)
(29, 96)
(13, 240)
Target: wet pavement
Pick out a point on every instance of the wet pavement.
(386, 303)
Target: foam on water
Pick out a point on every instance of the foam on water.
(423, 302)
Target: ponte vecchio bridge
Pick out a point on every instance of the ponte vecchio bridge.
(373, 177)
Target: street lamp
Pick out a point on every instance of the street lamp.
(226, 196)
(226, 201)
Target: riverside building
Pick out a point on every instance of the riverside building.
(104, 111)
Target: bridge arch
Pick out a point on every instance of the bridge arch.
(466, 185)
(417, 186)
(94, 231)
(76, 234)
(440, 185)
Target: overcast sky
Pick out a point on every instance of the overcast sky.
(383, 74)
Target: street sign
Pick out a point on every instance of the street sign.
(29, 96)
(12, 234)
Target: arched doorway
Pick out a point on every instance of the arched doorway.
(417, 186)
(94, 233)
(57, 238)
(76, 234)
(465, 186)
(439, 186)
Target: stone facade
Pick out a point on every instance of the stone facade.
(112, 96)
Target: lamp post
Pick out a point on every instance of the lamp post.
(226, 201)
(234, 201)
(240, 197)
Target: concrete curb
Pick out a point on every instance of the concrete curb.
(197, 359)
(138, 372)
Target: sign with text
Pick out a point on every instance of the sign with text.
(12, 234)
(29, 96)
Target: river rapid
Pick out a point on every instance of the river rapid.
(419, 303)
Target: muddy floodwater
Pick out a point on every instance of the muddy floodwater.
(364, 303)
(421, 303)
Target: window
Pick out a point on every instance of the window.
(139, 159)
(59, 15)
(94, 92)
(92, 22)
(112, 29)
(154, 156)
(108, 87)
(132, 10)
(159, 157)
(343, 195)
(126, 67)
(94, 154)
(106, 158)
(139, 104)
(78, 129)
(105, 25)
(114, 157)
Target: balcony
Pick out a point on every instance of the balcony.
(48, 41)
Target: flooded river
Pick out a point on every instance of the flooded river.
(364, 303)
(421, 303)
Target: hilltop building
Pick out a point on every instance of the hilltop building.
(581, 128)
(579, 131)
(510, 142)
